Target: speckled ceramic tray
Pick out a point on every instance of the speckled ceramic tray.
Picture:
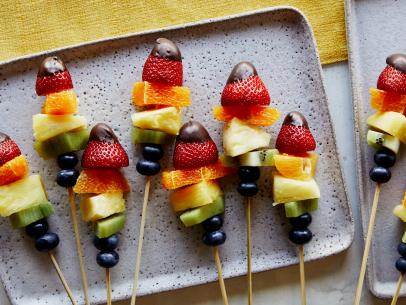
(376, 30)
(280, 43)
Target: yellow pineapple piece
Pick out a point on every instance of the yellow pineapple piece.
(288, 189)
(101, 206)
(47, 126)
(168, 119)
(393, 123)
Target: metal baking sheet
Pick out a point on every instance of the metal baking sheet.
(280, 43)
(376, 29)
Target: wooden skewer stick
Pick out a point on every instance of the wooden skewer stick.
(140, 240)
(302, 275)
(367, 245)
(108, 286)
(249, 247)
(220, 275)
(399, 285)
(62, 278)
(73, 216)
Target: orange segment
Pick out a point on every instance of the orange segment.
(145, 93)
(252, 115)
(302, 168)
(13, 170)
(178, 178)
(387, 101)
(63, 102)
(98, 181)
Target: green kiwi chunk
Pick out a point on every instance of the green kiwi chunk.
(378, 140)
(110, 225)
(198, 215)
(28, 216)
(258, 158)
(297, 208)
(61, 144)
(143, 136)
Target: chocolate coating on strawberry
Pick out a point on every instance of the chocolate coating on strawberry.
(241, 71)
(165, 48)
(296, 119)
(3, 137)
(193, 131)
(398, 61)
(103, 133)
(51, 66)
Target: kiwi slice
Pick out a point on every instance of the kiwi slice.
(297, 208)
(110, 225)
(378, 140)
(198, 215)
(258, 158)
(28, 216)
(61, 144)
(140, 136)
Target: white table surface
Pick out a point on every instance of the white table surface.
(329, 281)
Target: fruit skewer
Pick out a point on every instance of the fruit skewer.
(244, 107)
(400, 211)
(293, 183)
(59, 133)
(197, 195)
(29, 212)
(101, 186)
(387, 129)
(159, 98)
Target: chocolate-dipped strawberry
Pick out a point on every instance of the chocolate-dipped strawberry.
(295, 137)
(393, 77)
(52, 77)
(194, 147)
(164, 64)
(8, 149)
(104, 150)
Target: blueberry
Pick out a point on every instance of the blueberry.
(214, 238)
(106, 244)
(67, 161)
(401, 264)
(249, 173)
(37, 229)
(247, 189)
(380, 174)
(213, 223)
(153, 152)
(107, 259)
(385, 158)
(67, 177)
(47, 242)
(148, 168)
(402, 249)
(300, 236)
(301, 222)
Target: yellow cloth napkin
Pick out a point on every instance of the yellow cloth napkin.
(34, 26)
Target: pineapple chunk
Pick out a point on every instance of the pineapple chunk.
(47, 126)
(168, 119)
(239, 138)
(194, 196)
(390, 122)
(21, 195)
(101, 206)
(287, 189)
(400, 211)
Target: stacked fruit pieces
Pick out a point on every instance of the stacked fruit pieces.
(244, 107)
(102, 187)
(57, 130)
(293, 181)
(198, 196)
(23, 198)
(387, 127)
(400, 211)
(159, 96)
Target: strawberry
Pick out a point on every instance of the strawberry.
(194, 147)
(244, 87)
(104, 150)
(393, 77)
(295, 137)
(8, 149)
(164, 64)
(52, 77)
